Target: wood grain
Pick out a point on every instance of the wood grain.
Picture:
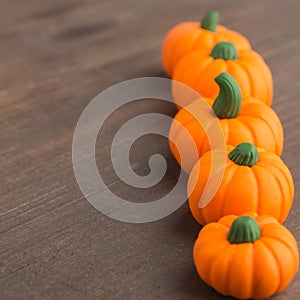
(55, 57)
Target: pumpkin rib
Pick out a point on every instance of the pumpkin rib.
(254, 192)
(270, 158)
(183, 124)
(205, 238)
(231, 174)
(265, 113)
(192, 127)
(254, 215)
(251, 121)
(277, 131)
(222, 28)
(212, 234)
(227, 221)
(204, 41)
(283, 209)
(252, 258)
(278, 263)
(278, 236)
(174, 37)
(258, 190)
(220, 194)
(188, 119)
(253, 58)
(276, 161)
(185, 63)
(258, 246)
(203, 215)
(225, 128)
(230, 258)
(243, 254)
(235, 70)
(202, 165)
(215, 267)
(290, 185)
(266, 220)
(228, 33)
(285, 172)
(259, 211)
(188, 63)
(205, 74)
(267, 99)
(274, 130)
(202, 148)
(245, 127)
(198, 184)
(195, 47)
(268, 242)
(247, 120)
(188, 78)
(250, 78)
(176, 53)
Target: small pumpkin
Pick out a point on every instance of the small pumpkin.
(251, 121)
(198, 69)
(253, 180)
(246, 257)
(188, 36)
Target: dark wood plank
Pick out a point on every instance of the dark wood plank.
(55, 57)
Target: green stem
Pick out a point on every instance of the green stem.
(224, 50)
(244, 229)
(244, 154)
(210, 21)
(229, 101)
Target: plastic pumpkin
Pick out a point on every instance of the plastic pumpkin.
(198, 70)
(246, 257)
(247, 120)
(253, 180)
(188, 36)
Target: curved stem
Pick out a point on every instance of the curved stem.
(229, 101)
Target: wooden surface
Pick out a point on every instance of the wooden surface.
(56, 55)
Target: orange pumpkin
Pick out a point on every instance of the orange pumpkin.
(198, 69)
(253, 180)
(251, 121)
(246, 257)
(188, 36)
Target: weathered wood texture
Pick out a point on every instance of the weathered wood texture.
(56, 55)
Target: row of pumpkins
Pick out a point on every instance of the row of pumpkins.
(243, 250)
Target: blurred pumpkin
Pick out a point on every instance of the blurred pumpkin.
(198, 69)
(247, 120)
(246, 257)
(188, 36)
(253, 180)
